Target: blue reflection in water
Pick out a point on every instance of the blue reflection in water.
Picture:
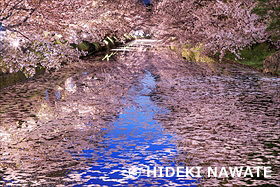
(136, 139)
(146, 2)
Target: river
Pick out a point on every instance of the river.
(99, 123)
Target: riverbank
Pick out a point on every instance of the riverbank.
(260, 57)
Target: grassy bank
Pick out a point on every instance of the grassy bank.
(253, 56)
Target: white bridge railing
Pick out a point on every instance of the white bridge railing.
(138, 45)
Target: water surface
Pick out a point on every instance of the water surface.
(88, 124)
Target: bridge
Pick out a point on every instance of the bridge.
(138, 45)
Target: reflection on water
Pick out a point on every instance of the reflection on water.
(90, 123)
(135, 139)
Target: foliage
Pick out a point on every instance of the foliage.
(253, 56)
(49, 53)
(192, 54)
(40, 31)
(270, 10)
(220, 25)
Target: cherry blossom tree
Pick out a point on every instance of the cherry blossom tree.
(219, 25)
(269, 11)
(40, 31)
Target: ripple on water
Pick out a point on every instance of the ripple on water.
(136, 139)
(76, 128)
